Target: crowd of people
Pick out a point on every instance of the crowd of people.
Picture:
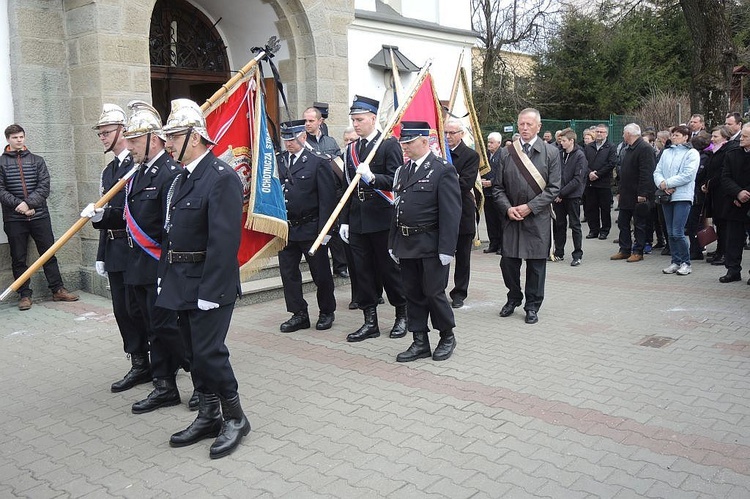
(171, 261)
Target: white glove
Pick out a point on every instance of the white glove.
(100, 269)
(445, 259)
(344, 233)
(326, 239)
(206, 305)
(364, 170)
(393, 257)
(95, 214)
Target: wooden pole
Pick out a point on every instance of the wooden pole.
(484, 163)
(68, 234)
(386, 133)
(272, 46)
(456, 80)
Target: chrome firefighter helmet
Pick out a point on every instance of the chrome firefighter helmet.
(186, 115)
(143, 119)
(112, 114)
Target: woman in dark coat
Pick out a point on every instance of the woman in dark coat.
(711, 187)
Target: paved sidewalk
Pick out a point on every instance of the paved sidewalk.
(574, 406)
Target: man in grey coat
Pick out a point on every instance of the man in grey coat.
(527, 181)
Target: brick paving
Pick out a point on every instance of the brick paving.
(574, 406)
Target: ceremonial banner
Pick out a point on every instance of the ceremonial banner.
(237, 123)
(425, 106)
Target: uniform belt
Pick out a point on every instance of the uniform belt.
(412, 231)
(301, 221)
(185, 256)
(116, 233)
(362, 195)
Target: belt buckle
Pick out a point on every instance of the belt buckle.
(169, 256)
(130, 241)
(110, 235)
(404, 231)
(361, 195)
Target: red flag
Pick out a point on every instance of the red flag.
(231, 123)
(425, 106)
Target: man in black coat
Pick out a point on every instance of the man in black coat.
(601, 156)
(735, 186)
(466, 162)
(145, 206)
(310, 196)
(492, 217)
(112, 253)
(423, 239)
(567, 204)
(365, 220)
(636, 190)
(199, 275)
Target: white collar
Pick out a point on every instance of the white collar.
(153, 160)
(191, 167)
(123, 154)
(418, 162)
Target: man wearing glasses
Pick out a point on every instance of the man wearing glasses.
(466, 162)
(112, 254)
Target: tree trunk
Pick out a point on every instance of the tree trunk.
(713, 59)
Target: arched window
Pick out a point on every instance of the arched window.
(188, 57)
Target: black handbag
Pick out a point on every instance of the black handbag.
(661, 197)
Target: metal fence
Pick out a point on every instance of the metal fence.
(615, 122)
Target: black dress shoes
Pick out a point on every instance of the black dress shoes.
(531, 317)
(508, 309)
(718, 261)
(445, 347)
(457, 303)
(368, 330)
(353, 305)
(592, 235)
(344, 274)
(490, 250)
(325, 321)
(603, 236)
(300, 320)
(730, 277)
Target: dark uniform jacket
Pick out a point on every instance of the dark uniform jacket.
(716, 205)
(36, 178)
(735, 177)
(466, 162)
(205, 214)
(366, 211)
(147, 201)
(309, 193)
(601, 161)
(430, 197)
(113, 251)
(637, 174)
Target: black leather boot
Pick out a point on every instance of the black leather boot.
(139, 374)
(235, 427)
(399, 327)
(206, 425)
(446, 345)
(369, 329)
(419, 349)
(165, 394)
(194, 402)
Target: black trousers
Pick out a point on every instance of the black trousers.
(291, 277)
(373, 263)
(130, 320)
(167, 346)
(462, 267)
(639, 216)
(568, 210)
(734, 242)
(691, 229)
(536, 275)
(425, 280)
(598, 209)
(338, 252)
(492, 220)
(204, 333)
(40, 231)
(721, 235)
(656, 224)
